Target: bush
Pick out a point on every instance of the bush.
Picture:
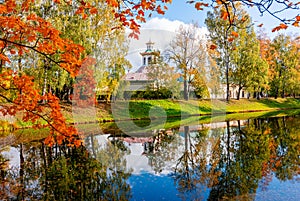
(162, 93)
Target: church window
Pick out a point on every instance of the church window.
(149, 60)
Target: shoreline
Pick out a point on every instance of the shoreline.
(139, 110)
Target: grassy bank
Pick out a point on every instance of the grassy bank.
(143, 109)
(168, 110)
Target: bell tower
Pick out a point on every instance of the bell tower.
(149, 55)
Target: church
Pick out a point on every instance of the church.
(138, 80)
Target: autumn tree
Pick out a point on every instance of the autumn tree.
(111, 63)
(28, 31)
(284, 65)
(25, 30)
(293, 85)
(187, 51)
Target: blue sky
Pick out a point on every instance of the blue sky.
(179, 10)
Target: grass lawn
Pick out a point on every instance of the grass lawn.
(168, 110)
(145, 109)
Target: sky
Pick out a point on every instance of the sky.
(161, 29)
(181, 11)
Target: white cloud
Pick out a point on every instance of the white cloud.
(162, 24)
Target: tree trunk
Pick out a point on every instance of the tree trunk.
(227, 76)
(186, 137)
(239, 93)
(69, 100)
(258, 93)
(185, 90)
(276, 93)
(282, 94)
(227, 83)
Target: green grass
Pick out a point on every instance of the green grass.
(153, 109)
(168, 110)
(144, 127)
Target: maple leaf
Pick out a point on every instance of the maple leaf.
(93, 11)
(199, 5)
(113, 3)
(141, 12)
(4, 58)
(234, 34)
(212, 47)
(159, 10)
(296, 24)
(260, 25)
(281, 26)
(224, 15)
(230, 39)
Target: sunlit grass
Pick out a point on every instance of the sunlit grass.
(168, 109)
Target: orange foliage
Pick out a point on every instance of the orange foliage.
(200, 5)
(260, 25)
(212, 47)
(84, 95)
(224, 15)
(281, 26)
(22, 32)
(132, 15)
(29, 103)
(234, 34)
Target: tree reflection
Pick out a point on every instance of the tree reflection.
(162, 149)
(284, 147)
(233, 162)
(227, 163)
(65, 173)
(242, 153)
(192, 172)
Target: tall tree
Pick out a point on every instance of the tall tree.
(188, 53)
(221, 35)
(284, 65)
(24, 30)
(236, 49)
(249, 68)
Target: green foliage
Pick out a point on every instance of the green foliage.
(249, 69)
(200, 86)
(284, 66)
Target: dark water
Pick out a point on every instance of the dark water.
(255, 159)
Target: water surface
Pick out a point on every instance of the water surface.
(254, 159)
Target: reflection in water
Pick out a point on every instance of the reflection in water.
(65, 173)
(229, 162)
(240, 159)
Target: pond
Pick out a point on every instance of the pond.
(253, 159)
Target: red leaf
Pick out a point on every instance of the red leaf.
(213, 47)
(260, 25)
(224, 15)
